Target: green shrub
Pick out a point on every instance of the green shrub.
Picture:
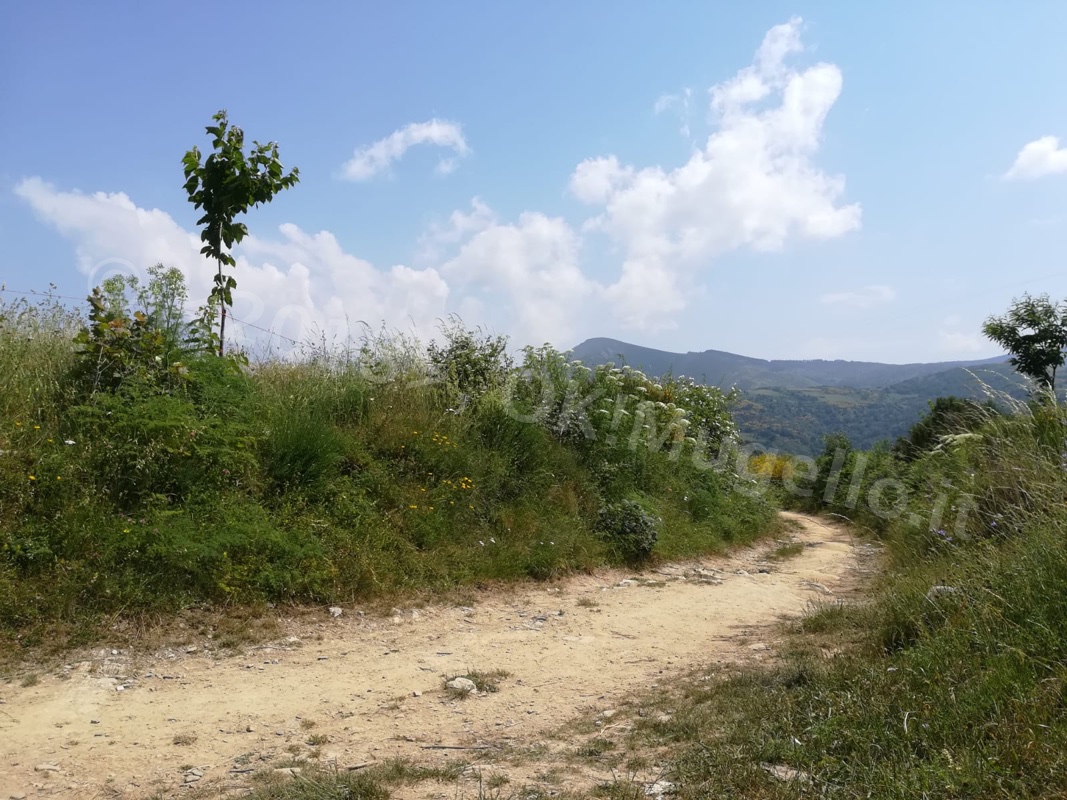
(519, 445)
(138, 446)
(630, 529)
(233, 552)
(468, 364)
(301, 449)
(946, 416)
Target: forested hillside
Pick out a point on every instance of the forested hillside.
(796, 420)
(791, 405)
(727, 370)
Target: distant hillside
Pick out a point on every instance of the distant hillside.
(964, 382)
(790, 405)
(795, 420)
(728, 369)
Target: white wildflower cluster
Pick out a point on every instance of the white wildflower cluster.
(622, 406)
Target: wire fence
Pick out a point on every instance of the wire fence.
(46, 295)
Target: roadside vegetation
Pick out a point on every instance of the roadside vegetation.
(952, 681)
(142, 472)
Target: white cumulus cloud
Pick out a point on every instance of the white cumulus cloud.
(867, 297)
(679, 103)
(595, 180)
(374, 159)
(461, 225)
(531, 271)
(753, 183)
(1039, 158)
(95, 222)
(295, 284)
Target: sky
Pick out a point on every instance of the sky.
(830, 180)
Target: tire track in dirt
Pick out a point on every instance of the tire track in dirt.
(363, 689)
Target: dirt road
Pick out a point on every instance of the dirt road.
(358, 690)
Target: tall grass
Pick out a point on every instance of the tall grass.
(35, 351)
(955, 685)
(138, 473)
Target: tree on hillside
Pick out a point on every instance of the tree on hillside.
(225, 185)
(947, 415)
(1034, 331)
(830, 465)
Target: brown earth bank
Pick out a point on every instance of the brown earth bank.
(355, 690)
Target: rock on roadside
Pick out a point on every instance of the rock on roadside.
(465, 685)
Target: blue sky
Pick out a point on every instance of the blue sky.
(784, 180)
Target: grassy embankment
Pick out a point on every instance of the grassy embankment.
(141, 474)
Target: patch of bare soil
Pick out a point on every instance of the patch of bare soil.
(354, 690)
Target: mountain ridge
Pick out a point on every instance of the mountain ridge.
(725, 369)
(790, 405)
